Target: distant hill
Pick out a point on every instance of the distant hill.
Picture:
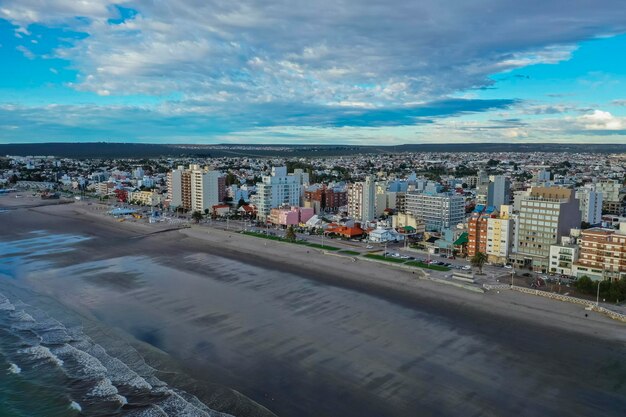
(140, 150)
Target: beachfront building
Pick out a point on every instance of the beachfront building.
(477, 230)
(438, 210)
(406, 221)
(382, 235)
(362, 200)
(175, 187)
(590, 205)
(562, 258)
(291, 216)
(602, 254)
(500, 235)
(276, 190)
(323, 198)
(208, 188)
(546, 215)
(144, 198)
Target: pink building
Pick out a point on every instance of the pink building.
(290, 216)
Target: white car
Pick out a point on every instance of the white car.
(369, 247)
(507, 266)
(467, 268)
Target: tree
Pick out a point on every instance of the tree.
(206, 212)
(196, 216)
(241, 202)
(291, 234)
(584, 284)
(478, 260)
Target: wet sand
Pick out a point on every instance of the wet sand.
(311, 335)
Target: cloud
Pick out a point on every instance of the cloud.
(601, 120)
(619, 102)
(25, 51)
(223, 67)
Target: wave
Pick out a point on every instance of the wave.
(14, 369)
(98, 379)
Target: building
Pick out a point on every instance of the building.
(405, 220)
(362, 200)
(291, 216)
(602, 254)
(323, 198)
(613, 201)
(439, 211)
(276, 190)
(562, 258)
(208, 188)
(501, 235)
(498, 191)
(546, 215)
(145, 198)
(175, 187)
(477, 230)
(590, 205)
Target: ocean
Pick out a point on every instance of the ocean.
(49, 367)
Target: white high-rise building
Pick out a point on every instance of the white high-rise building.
(175, 187)
(590, 205)
(205, 188)
(438, 210)
(362, 200)
(277, 190)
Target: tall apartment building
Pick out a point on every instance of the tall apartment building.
(208, 188)
(438, 210)
(362, 200)
(195, 188)
(501, 235)
(602, 254)
(278, 189)
(546, 214)
(498, 191)
(477, 231)
(174, 187)
(613, 197)
(590, 205)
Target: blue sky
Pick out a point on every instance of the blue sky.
(278, 71)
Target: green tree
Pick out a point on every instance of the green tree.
(241, 202)
(291, 234)
(478, 260)
(584, 284)
(206, 212)
(196, 216)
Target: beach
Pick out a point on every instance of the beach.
(304, 333)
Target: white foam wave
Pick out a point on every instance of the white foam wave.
(75, 406)
(85, 364)
(5, 305)
(41, 353)
(14, 369)
(103, 388)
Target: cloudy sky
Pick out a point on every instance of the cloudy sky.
(325, 71)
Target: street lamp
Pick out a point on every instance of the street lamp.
(512, 274)
(598, 294)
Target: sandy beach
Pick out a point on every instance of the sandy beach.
(304, 333)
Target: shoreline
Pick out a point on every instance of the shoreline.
(271, 319)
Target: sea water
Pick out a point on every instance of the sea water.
(49, 368)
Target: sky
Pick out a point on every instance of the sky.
(326, 72)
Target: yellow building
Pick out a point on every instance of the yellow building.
(144, 198)
(500, 235)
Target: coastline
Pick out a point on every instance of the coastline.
(295, 318)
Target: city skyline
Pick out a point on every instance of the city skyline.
(295, 73)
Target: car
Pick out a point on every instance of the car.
(405, 257)
(369, 247)
(396, 255)
(466, 267)
(507, 266)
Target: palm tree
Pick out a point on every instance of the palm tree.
(478, 260)
(196, 216)
(290, 235)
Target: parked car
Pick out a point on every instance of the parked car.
(466, 267)
(507, 266)
(369, 247)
